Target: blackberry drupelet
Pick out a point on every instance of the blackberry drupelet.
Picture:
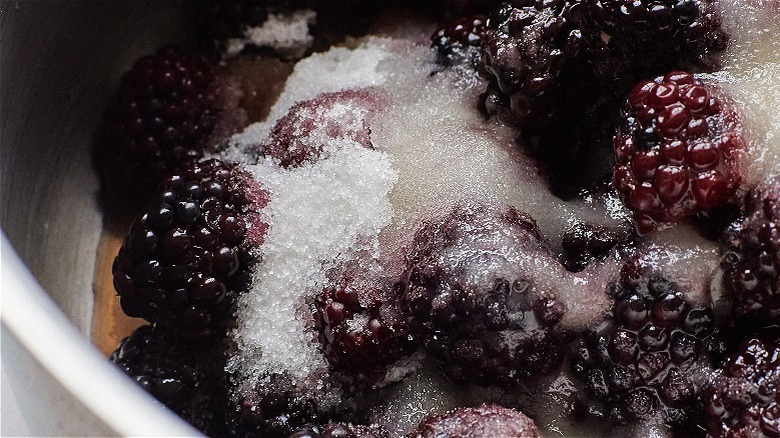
(742, 398)
(526, 48)
(185, 377)
(458, 42)
(361, 328)
(186, 261)
(340, 430)
(472, 299)
(632, 40)
(169, 109)
(750, 266)
(480, 421)
(635, 364)
(678, 150)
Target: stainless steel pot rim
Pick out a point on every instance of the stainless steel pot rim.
(32, 318)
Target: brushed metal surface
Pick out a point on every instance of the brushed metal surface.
(59, 64)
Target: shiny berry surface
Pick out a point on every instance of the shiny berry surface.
(184, 377)
(635, 364)
(742, 398)
(458, 41)
(631, 40)
(362, 330)
(185, 262)
(678, 150)
(473, 301)
(751, 264)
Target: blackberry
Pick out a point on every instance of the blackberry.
(677, 151)
(361, 328)
(632, 40)
(184, 377)
(272, 408)
(341, 116)
(525, 50)
(473, 300)
(459, 40)
(169, 109)
(742, 398)
(480, 421)
(751, 264)
(636, 362)
(584, 243)
(542, 82)
(340, 430)
(187, 259)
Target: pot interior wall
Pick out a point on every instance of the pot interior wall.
(59, 64)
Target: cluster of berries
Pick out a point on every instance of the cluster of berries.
(469, 296)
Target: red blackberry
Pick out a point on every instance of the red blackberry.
(458, 41)
(299, 136)
(473, 300)
(751, 264)
(185, 262)
(677, 151)
(525, 50)
(636, 363)
(361, 328)
(742, 398)
(170, 107)
(340, 430)
(480, 421)
(184, 377)
(632, 40)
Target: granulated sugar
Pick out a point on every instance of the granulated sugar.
(285, 33)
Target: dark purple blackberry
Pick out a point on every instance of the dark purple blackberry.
(542, 81)
(185, 262)
(459, 40)
(170, 107)
(362, 330)
(742, 399)
(585, 243)
(636, 362)
(473, 300)
(340, 430)
(525, 50)
(480, 421)
(633, 40)
(297, 137)
(184, 377)
(750, 266)
(273, 408)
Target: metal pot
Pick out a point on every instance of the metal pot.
(59, 64)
